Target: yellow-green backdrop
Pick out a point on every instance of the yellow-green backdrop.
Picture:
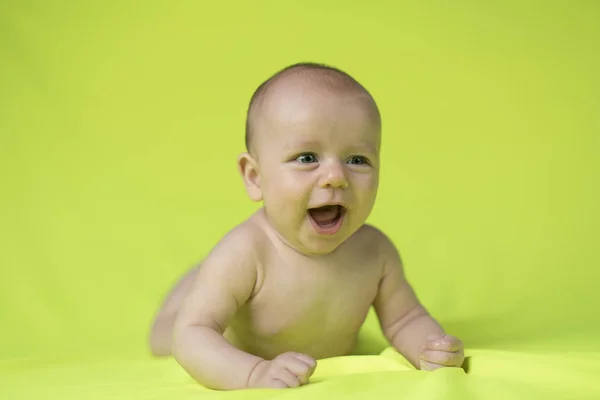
(120, 123)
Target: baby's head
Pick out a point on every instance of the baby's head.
(313, 135)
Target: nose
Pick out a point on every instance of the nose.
(333, 176)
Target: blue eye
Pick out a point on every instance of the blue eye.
(357, 160)
(307, 158)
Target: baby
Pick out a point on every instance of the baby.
(295, 281)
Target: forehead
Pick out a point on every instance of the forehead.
(296, 112)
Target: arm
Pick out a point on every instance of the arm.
(224, 282)
(405, 322)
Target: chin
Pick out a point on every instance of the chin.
(322, 246)
(313, 251)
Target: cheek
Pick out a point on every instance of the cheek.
(287, 189)
(366, 185)
(374, 184)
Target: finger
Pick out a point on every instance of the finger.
(287, 377)
(305, 358)
(300, 369)
(444, 343)
(427, 366)
(277, 384)
(446, 358)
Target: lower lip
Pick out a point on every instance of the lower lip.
(328, 230)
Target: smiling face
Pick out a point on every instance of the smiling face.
(317, 162)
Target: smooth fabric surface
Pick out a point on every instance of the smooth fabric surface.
(493, 375)
(120, 124)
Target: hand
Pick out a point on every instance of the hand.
(288, 370)
(441, 351)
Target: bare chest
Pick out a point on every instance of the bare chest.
(303, 302)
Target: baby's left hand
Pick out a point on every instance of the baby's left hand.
(441, 351)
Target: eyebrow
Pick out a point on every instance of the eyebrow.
(304, 144)
(364, 147)
(293, 144)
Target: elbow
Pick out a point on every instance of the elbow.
(185, 355)
(186, 343)
(178, 342)
(160, 338)
(179, 338)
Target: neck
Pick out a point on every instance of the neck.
(280, 242)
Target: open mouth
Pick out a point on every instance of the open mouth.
(327, 220)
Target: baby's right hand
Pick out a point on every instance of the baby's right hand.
(288, 370)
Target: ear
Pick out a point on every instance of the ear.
(248, 168)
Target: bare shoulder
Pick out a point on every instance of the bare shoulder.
(247, 239)
(372, 239)
(371, 236)
(227, 278)
(237, 258)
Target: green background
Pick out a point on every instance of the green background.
(120, 123)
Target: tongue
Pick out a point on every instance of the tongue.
(324, 215)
